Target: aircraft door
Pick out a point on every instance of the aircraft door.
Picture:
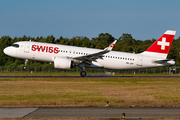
(140, 61)
(26, 47)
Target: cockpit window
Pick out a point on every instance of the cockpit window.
(15, 45)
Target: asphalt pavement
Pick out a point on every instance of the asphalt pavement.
(130, 113)
(90, 76)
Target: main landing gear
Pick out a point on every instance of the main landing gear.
(24, 67)
(83, 73)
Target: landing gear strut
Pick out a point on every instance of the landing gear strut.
(24, 67)
(83, 73)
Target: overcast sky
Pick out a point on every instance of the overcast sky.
(143, 19)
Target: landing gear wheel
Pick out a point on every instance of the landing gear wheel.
(83, 73)
(24, 67)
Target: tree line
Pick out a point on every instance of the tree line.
(125, 43)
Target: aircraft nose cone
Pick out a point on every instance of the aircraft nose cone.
(10, 51)
(5, 51)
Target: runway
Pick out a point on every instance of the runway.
(105, 113)
(90, 76)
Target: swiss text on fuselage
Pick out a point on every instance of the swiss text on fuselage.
(45, 49)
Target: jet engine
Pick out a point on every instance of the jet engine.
(63, 63)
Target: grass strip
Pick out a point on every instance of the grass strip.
(89, 92)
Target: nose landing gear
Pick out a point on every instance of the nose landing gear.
(24, 67)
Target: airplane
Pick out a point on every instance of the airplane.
(66, 57)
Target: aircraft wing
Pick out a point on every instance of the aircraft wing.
(94, 56)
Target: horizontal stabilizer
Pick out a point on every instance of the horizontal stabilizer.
(162, 61)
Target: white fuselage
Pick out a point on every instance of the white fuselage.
(113, 60)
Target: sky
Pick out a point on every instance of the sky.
(143, 19)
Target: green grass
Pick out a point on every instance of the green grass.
(85, 92)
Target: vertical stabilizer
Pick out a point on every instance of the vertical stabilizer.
(161, 47)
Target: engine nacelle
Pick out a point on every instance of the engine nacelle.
(62, 63)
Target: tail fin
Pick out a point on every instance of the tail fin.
(161, 47)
